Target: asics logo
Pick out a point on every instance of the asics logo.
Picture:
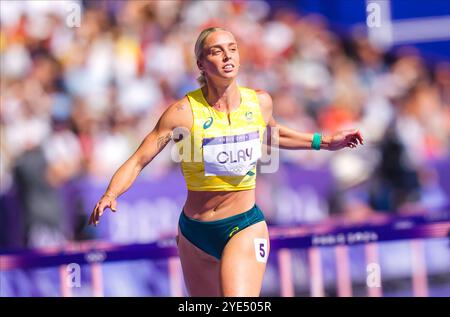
(208, 123)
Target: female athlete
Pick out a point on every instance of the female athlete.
(222, 239)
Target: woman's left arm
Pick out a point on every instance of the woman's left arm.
(294, 140)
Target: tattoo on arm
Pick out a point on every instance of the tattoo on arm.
(163, 140)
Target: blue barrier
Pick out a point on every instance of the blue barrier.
(282, 237)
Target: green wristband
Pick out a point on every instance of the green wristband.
(317, 140)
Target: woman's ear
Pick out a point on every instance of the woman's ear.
(200, 65)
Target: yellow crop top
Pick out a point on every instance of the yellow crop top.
(218, 155)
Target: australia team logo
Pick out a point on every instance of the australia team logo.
(208, 123)
(235, 229)
(249, 115)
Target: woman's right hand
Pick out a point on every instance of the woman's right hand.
(107, 201)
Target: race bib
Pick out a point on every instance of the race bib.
(232, 155)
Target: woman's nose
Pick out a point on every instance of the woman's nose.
(226, 56)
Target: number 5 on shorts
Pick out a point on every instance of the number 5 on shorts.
(261, 250)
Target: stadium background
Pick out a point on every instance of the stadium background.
(77, 101)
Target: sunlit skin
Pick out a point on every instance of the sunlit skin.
(238, 273)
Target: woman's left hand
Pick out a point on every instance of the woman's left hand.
(344, 139)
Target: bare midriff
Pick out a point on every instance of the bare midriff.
(216, 205)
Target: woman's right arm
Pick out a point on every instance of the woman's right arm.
(176, 115)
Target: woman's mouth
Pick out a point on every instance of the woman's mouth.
(228, 68)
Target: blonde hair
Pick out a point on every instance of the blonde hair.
(199, 49)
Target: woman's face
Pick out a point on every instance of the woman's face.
(220, 56)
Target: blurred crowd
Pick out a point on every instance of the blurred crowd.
(77, 101)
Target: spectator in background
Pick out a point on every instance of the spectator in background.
(110, 68)
(40, 200)
(394, 182)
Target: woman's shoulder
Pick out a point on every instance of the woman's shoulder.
(260, 93)
(181, 103)
(178, 114)
(264, 98)
(265, 104)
